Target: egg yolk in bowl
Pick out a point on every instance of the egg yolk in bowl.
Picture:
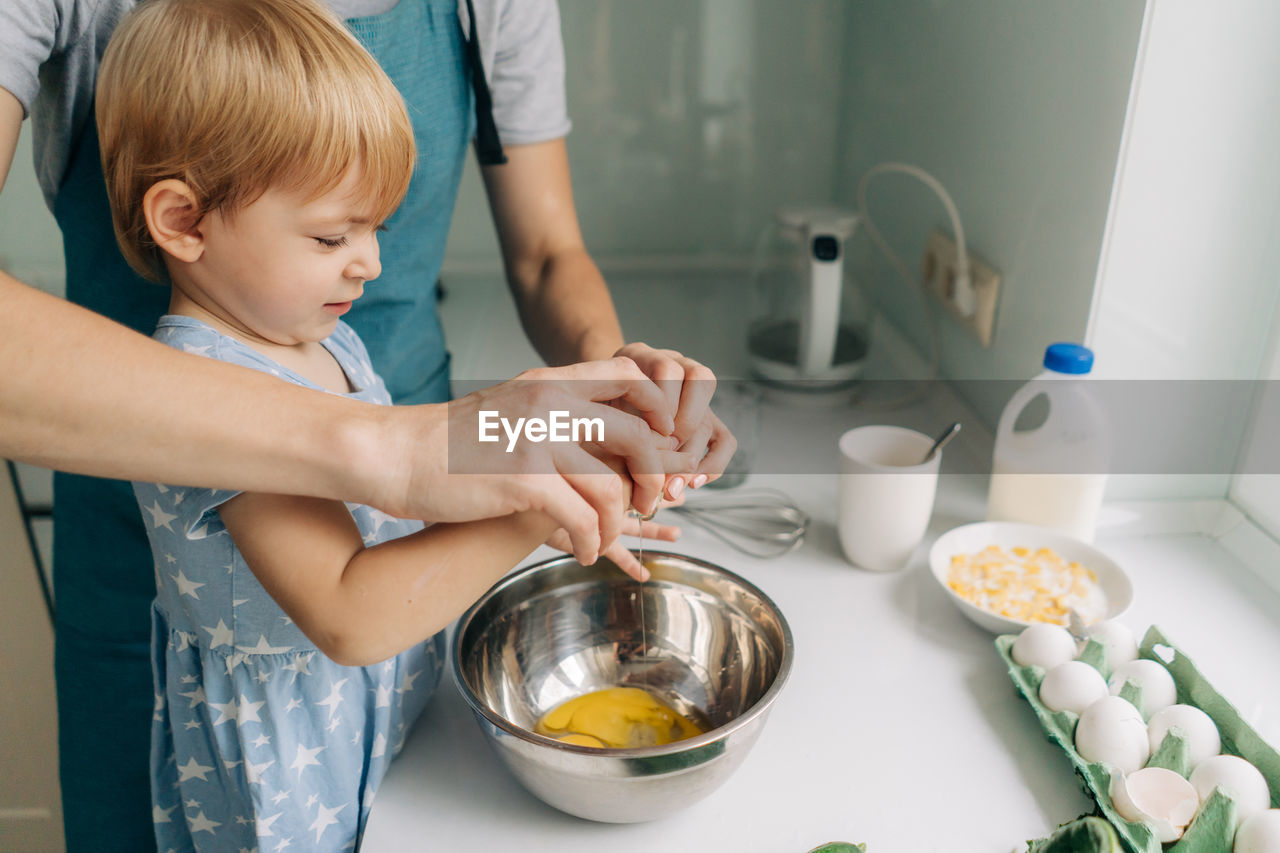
(616, 718)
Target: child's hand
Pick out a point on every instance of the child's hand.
(618, 552)
(631, 524)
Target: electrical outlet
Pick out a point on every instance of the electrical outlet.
(938, 269)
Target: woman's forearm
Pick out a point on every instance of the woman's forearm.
(81, 393)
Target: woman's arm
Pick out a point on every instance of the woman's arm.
(81, 393)
(564, 303)
(565, 306)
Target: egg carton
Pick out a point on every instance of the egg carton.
(1212, 829)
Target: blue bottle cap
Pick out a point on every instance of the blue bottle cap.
(1068, 358)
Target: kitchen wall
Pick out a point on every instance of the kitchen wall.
(695, 120)
(1189, 279)
(692, 122)
(30, 243)
(1192, 260)
(1017, 108)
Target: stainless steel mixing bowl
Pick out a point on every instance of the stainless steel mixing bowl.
(714, 648)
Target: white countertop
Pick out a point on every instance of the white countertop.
(899, 726)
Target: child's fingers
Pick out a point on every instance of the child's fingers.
(567, 505)
(604, 489)
(560, 541)
(663, 532)
(625, 560)
(650, 529)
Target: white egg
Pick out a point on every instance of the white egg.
(1259, 834)
(1158, 689)
(1072, 686)
(1119, 641)
(1043, 645)
(1112, 731)
(1158, 797)
(1237, 777)
(1198, 727)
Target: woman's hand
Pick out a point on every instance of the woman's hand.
(439, 470)
(688, 387)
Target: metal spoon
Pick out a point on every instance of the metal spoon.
(941, 441)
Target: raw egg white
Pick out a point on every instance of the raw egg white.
(1198, 727)
(1043, 645)
(1072, 686)
(1157, 797)
(1158, 689)
(1237, 777)
(1259, 834)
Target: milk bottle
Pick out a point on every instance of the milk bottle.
(1053, 475)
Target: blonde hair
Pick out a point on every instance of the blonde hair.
(235, 97)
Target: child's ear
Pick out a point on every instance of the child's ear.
(173, 218)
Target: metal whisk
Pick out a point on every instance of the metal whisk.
(757, 522)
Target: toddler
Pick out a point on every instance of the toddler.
(252, 150)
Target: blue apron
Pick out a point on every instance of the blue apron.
(103, 576)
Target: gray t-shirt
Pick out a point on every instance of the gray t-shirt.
(50, 50)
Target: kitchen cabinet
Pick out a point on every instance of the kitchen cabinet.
(30, 810)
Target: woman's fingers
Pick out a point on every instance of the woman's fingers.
(687, 384)
(694, 406)
(720, 449)
(642, 452)
(618, 379)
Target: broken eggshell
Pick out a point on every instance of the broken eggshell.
(1160, 798)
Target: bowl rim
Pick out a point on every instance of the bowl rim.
(1100, 561)
(758, 709)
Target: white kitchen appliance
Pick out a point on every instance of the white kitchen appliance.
(811, 329)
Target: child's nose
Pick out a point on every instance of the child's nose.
(367, 264)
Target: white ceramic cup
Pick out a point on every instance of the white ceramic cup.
(886, 495)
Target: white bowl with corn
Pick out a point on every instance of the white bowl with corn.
(1005, 576)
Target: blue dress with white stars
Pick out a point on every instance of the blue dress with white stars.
(259, 741)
